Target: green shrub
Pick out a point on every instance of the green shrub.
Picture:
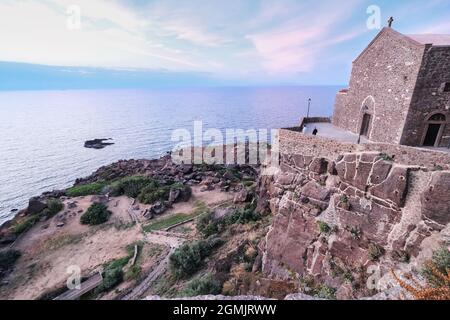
(7, 260)
(86, 189)
(325, 292)
(113, 274)
(202, 286)
(386, 157)
(243, 216)
(153, 193)
(206, 225)
(324, 228)
(440, 261)
(96, 214)
(111, 278)
(187, 259)
(400, 255)
(53, 207)
(375, 251)
(134, 273)
(130, 186)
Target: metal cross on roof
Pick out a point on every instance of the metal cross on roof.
(390, 21)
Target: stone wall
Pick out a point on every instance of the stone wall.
(335, 218)
(429, 96)
(383, 78)
(294, 142)
(298, 143)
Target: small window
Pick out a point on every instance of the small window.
(447, 87)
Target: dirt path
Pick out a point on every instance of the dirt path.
(169, 239)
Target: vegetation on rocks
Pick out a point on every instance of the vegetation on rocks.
(96, 214)
(208, 226)
(130, 186)
(440, 262)
(324, 228)
(375, 251)
(204, 285)
(437, 275)
(53, 206)
(187, 259)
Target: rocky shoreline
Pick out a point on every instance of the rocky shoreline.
(162, 169)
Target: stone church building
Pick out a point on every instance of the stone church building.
(399, 91)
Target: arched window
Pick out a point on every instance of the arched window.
(438, 117)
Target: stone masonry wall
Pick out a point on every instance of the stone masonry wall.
(299, 143)
(383, 78)
(429, 96)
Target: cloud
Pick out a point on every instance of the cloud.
(438, 28)
(233, 38)
(296, 45)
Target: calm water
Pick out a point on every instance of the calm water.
(42, 132)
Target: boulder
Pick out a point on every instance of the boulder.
(173, 195)
(35, 205)
(158, 208)
(241, 196)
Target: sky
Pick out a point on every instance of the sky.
(76, 43)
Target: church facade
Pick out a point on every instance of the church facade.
(399, 91)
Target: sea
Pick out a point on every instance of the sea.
(42, 133)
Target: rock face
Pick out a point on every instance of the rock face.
(335, 219)
(436, 198)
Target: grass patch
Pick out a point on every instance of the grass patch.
(64, 240)
(53, 207)
(163, 223)
(86, 189)
(26, 224)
